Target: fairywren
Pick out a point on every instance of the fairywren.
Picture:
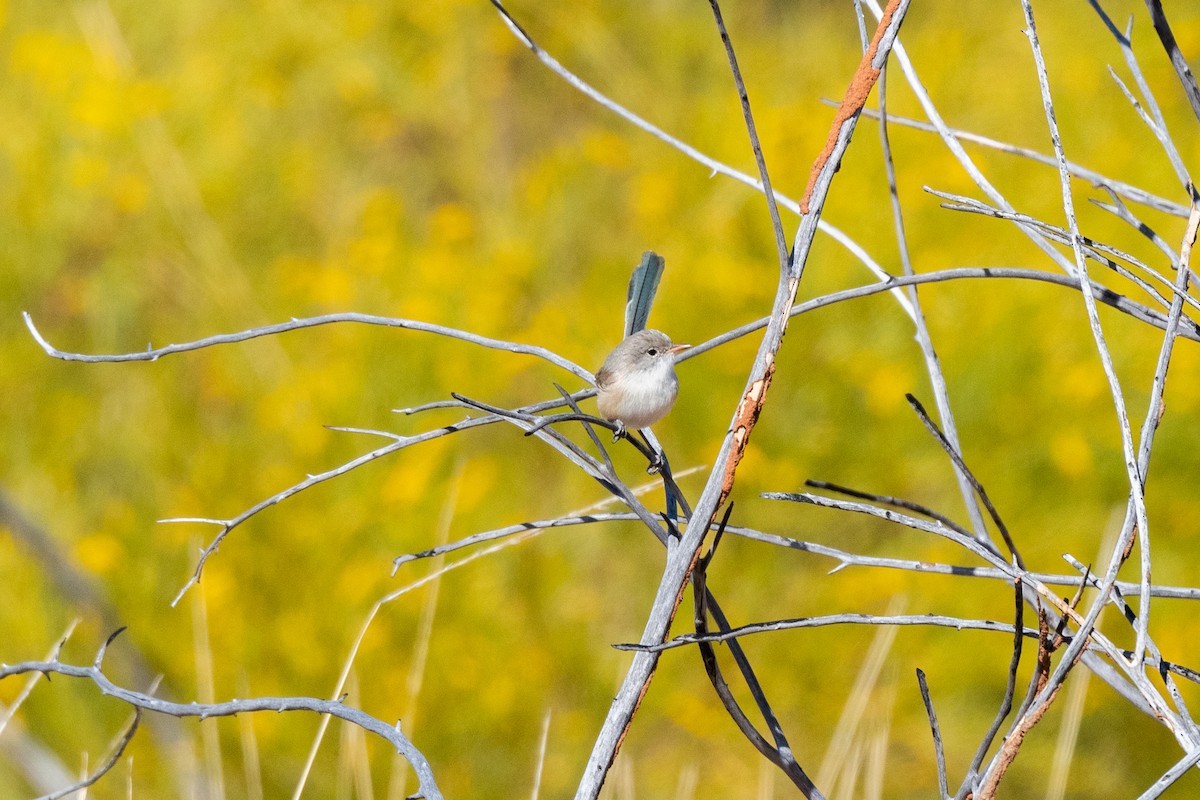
(637, 384)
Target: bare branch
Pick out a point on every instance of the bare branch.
(1119, 209)
(781, 754)
(153, 353)
(776, 223)
(1010, 688)
(1178, 61)
(798, 623)
(933, 365)
(1168, 779)
(938, 750)
(1094, 250)
(682, 558)
(963, 470)
(887, 500)
(146, 702)
(1127, 190)
(1136, 481)
(1154, 120)
(1189, 329)
(984, 550)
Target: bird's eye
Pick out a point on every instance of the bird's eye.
(652, 352)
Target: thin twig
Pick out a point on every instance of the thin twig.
(11, 709)
(938, 750)
(104, 768)
(1190, 329)
(1158, 124)
(704, 604)
(604, 474)
(1136, 519)
(744, 96)
(1118, 208)
(888, 500)
(510, 530)
(933, 364)
(154, 353)
(961, 465)
(1178, 60)
(800, 623)
(1010, 688)
(1097, 251)
(1181, 767)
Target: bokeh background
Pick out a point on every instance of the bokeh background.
(182, 169)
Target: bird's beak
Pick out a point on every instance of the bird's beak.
(678, 348)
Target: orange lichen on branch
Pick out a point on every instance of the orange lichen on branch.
(865, 78)
(744, 421)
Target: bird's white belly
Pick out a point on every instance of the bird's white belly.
(639, 402)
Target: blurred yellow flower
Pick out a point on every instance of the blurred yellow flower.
(1071, 453)
(87, 170)
(405, 485)
(129, 192)
(101, 105)
(886, 387)
(451, 223)
(356, 82)
(607, 148)
(49, 59)
(654, 199)
(98, 553)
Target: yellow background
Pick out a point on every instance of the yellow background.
(170, 171)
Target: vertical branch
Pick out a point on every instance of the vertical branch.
(952, 143)
(933, 365)
(752, 131)
(938, 750)
(682, 556)
(1044, 693)
(1136, 520)
(704, 604)
(1010, 689)
(1156, 409)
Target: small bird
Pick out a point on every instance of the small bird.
(637, 384)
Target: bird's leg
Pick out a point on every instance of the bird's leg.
(656, 463)
(620, 431)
